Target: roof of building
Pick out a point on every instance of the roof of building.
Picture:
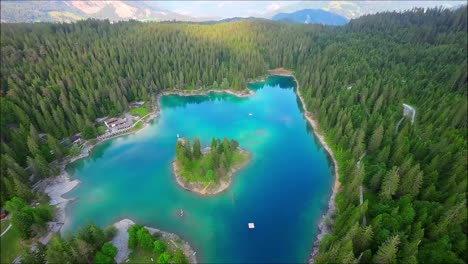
(101, 119)
(120, 122)
(139, 103)
(111, 120)
(75, 137)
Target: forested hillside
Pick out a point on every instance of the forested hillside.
(58, 78)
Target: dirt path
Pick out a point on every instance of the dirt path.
(6, 230)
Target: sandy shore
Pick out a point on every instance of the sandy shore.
(121, 241)
(56, 188)
(200, 188)
(323, 227)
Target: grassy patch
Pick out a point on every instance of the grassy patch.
(3, 225)
(140, 111)
(10, 245)
(141, 256)
(101, 129)
(137, 126)
(74, 151)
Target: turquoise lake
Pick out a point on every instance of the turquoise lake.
(284, 190)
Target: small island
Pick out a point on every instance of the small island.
(210, 170)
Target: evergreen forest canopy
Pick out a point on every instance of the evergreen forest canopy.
(207, 166)
(58, 78)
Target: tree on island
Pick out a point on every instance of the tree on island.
(107, 254)
(164, 258)
(140, 238)
(159, 247)
(196, 148)
(209, 166)
(179, 257)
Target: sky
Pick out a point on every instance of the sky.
(224, 9)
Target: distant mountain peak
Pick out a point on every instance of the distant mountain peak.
(312, 16)
(69, 11)
(122, 9)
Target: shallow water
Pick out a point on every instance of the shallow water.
(284, 189)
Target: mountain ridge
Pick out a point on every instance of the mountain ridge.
(355, 9)
(312, 16)
(70, 11)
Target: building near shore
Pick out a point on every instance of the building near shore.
(137, 104)
(115, 122)
(76, 139)
(3, 214)
(73, 140)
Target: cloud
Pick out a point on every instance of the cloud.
(223, 8)
(273, 7)
(223, 3)
(183, 12)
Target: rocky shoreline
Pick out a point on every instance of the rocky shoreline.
(323, 227)
(200, 188)
(243, 93)
(120, 241)
(56, 187)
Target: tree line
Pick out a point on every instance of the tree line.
(140, 238)
(90, 244)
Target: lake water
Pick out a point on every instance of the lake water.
(284, 189)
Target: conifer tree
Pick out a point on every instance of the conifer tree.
(387, 252)
(376, 138)
(390, 184)
(196, 148)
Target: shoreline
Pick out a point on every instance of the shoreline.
(155, 114)
(244, 93)
(120, 241)
(65, 183)
(324, 229)
(198, 188)
(56, 187)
